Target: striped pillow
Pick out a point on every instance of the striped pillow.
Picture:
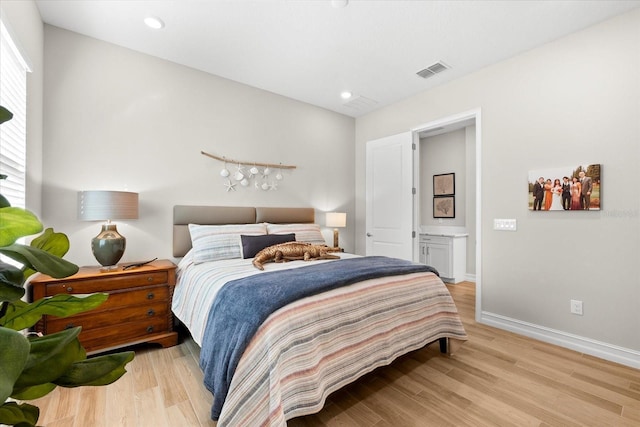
(309, 233)
(216, 242)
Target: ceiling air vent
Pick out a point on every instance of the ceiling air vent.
(358, 102)
(432, 70)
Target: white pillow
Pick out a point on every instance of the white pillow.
(309, 233)
(215, 242)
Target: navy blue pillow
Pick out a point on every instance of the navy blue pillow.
(251, 245)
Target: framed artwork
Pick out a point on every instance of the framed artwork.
(565, 189)
(444, 207)
(444, 184)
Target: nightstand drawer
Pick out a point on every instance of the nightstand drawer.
(93, 319)
(137, 296)
(124, 333)
(87, 286)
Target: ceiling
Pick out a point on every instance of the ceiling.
(312, 50)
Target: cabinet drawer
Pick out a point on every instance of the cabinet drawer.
(137, 296)
(428, 238)
(92, 320)
(88, 286)
(123, 333)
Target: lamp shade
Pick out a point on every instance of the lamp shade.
(107, 205)
(336, 219)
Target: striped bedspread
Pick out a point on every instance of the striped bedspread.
(312, 347)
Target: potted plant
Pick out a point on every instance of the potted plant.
(31, 366)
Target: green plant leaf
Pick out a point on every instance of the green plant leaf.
(4, 203)
(34, 392)
(55, 243)
(39, 260)
(21, 315)
(9, 291)
(50, 357)
(16, 223)
(11, 279)
(13, 357)
(51, 242)
(19, 415)
(11, 273)
(5, 115)
(96, 371)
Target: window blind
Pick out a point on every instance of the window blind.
(13, 96)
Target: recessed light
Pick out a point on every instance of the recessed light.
(338, 4)
(153, 22)
(346, 94)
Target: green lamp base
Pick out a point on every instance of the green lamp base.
(108, 246)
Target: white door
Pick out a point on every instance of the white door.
(389, 196)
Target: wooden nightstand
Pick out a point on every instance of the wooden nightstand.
(138, 309)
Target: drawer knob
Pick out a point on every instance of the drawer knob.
(149, 279)
(151, 312)
(149, 329)
(69, 326)
(69, 288)
(150, 295)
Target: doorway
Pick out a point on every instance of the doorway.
(471, 121)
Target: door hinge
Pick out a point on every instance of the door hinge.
(413, 191)
(413, 234)
(413, 146)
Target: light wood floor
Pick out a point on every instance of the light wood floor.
(495, 379)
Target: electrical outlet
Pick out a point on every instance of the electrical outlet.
(576, 307)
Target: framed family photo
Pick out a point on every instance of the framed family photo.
(571, 188)
(444, 207)
(444, 184)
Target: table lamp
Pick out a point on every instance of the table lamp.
(108, 246)
(336, 220)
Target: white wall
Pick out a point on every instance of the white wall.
(116, 119)
(440, 154)
(575, 99)
(24, 19)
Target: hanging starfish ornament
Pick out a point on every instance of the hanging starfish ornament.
(230, 185)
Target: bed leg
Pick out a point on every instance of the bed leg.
(444, 345)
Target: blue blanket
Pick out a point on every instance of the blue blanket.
(242, 305)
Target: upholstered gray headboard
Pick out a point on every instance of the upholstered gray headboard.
(218, 215)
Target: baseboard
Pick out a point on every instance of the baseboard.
(457, 279)
(624, 356)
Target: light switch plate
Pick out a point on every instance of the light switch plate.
(504, 224)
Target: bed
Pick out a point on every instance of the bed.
(266, 365)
